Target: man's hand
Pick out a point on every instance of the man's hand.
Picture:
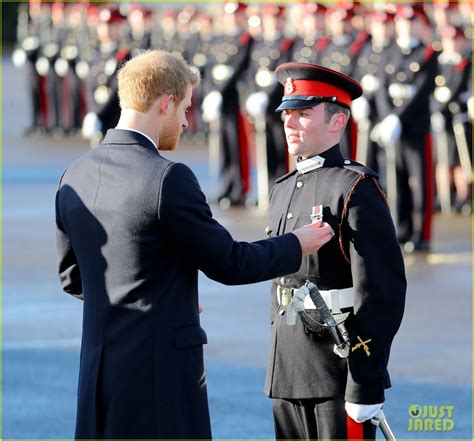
(312, 237)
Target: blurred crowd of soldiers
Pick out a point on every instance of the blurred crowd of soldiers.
(414, 61)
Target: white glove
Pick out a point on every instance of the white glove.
(437, 121)
(390, 130)
(257, 104)
(211, 106)
(375, 133)
(91, 125)
(362, 412)
(469, 107)
(360, 109)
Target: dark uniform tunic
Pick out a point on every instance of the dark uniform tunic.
(364, 254)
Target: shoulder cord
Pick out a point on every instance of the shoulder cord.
(346, 206)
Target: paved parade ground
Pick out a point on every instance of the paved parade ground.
(431, 360)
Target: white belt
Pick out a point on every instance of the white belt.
(336, 299)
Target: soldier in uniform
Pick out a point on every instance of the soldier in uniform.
(32, 30)
(340, 55)
(103, 98)
(68, 66)
(315, 393)
(407, 82)
(268, 51)
(139, 20)
(201, 59)
(166, 37)
(373, 57)
(230, 59)
(55, 86)
(449, 103)
(311, 40)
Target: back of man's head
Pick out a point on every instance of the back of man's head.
(152, 74)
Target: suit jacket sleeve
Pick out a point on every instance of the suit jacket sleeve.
(378, 275)
(68, 268)
(201, 241)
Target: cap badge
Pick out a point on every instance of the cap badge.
(289, 86)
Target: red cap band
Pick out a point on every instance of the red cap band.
(317, 88)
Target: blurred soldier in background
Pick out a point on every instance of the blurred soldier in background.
(68, 66)
(201, 59)
(408, 81)
(165, 36)
(340, 55)
(32, 31)
(371, 61)
(230, 59)
(271, 49)
(104, 110)
(140, 21)
(311, 40)
(449, 105)
(45, 65)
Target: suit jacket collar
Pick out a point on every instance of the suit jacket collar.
(127, 137)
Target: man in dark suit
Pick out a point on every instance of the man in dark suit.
(316, 392)
(133, 229)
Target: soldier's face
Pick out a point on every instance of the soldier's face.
(174, 123)
(305, 130)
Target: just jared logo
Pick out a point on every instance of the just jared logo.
(430, 418)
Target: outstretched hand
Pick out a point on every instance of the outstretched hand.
(313, 236)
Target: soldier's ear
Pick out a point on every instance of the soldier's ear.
(337, 122)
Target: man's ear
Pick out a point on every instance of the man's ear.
(165, 103)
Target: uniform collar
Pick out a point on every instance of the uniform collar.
(329, 158)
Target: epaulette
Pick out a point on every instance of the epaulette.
(282, 178)
(359, 168)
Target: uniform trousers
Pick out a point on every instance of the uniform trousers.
(317, 418)
(232, 185)
(415, 188)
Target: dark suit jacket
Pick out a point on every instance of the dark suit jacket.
(133, 230)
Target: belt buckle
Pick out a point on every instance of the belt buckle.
(284, 296)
